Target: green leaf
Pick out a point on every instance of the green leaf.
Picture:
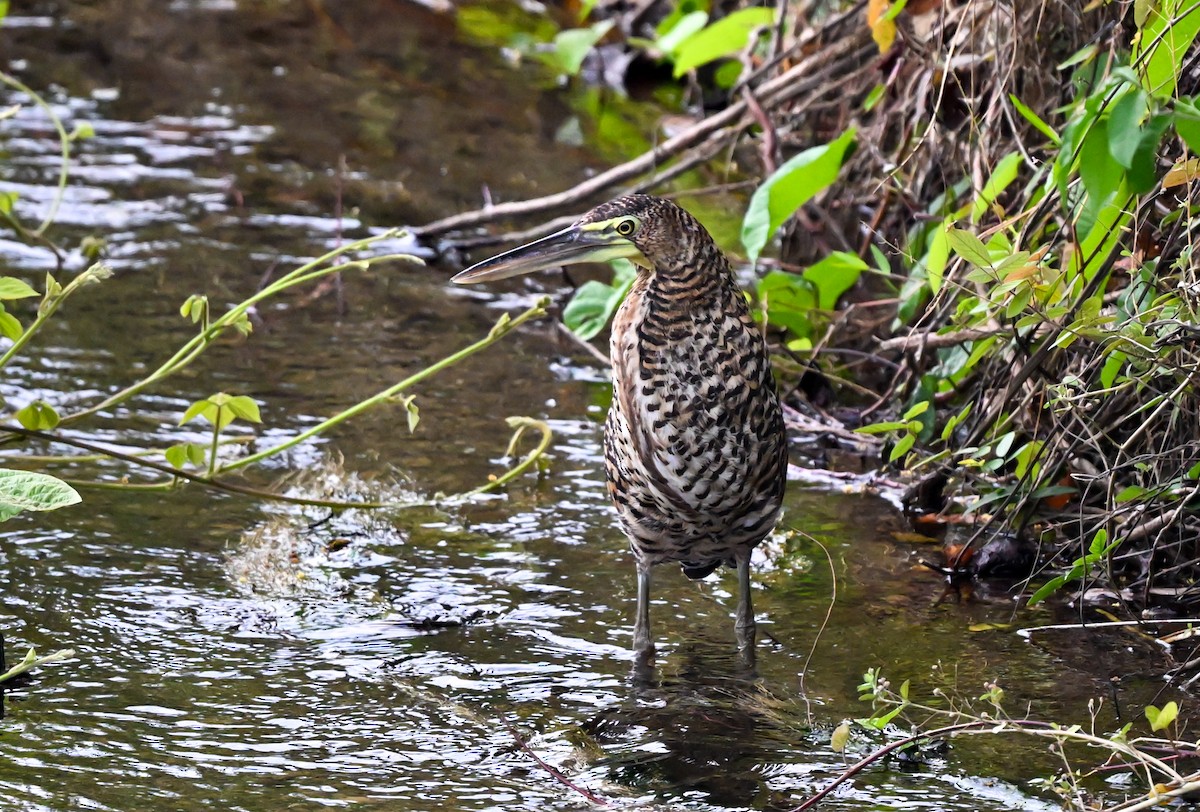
(883, 428)
(194, 308)
(1125, 126)
(37, 416)
(1001, 178)
(1101, 175)
(1162, 44)
(201, 408)
(1131, 493)
(902, 447)
(1161, 719)
(27, 490)
(593, 305)
(245, 408)
(833, 276)
(10, 327)
(916, 410)
(176, 455)
(243, 324)
(1143, 172)
(572, 46)
(1113, 364)
(1187, 123)
(1047, 589)
(790, 187)
(937, 255)
(687, 25)
(1036, 120)
(723, 38)
(414, 414)
(790, 301)
(183, 453)
(13, 288)
(874, 97)
(970, 248)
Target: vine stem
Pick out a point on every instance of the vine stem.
(505, 325)
(200, 342)
(64, 141)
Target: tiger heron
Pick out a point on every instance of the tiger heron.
(694, 447)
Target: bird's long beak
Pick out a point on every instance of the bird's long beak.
(567, 247)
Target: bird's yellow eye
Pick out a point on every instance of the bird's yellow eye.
(625, 227)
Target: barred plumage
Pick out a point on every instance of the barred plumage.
(695, 451)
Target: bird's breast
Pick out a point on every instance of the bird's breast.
(694, 440)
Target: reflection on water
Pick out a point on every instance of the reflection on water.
(252, 657)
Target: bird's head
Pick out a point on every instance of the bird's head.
(648, 231)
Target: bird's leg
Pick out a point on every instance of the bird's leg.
(745, 609)
(643, 646)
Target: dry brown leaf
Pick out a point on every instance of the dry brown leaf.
(1182, 172)
(1024, 272)
(883, 30)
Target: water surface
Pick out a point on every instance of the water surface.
(263, 657)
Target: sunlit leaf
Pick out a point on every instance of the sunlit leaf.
(685, 26)
(245, 408)
(200, 408)
(902, 447)
(194, 308)
(1163, 42)
(1033, 118)
(571, 46)
(790, 300)
(1182, 172)
(594, 303)
(833, 276)
(1161, 718)
(725, 37)
(414, 414)
(790, 187)
(881, 19)
(28, 490)
(38, 416)
(840, 738)
(970, 248)
(181, 454)
(10, 327)
(13, 288)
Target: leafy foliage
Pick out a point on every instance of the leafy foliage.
(30, 490)
(593, 305)
(791, 186)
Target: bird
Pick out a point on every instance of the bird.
(695, 449)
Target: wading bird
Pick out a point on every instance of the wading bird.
(694, 447)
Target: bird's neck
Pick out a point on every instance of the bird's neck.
(672, 306)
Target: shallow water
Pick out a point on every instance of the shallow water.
(260, 657)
